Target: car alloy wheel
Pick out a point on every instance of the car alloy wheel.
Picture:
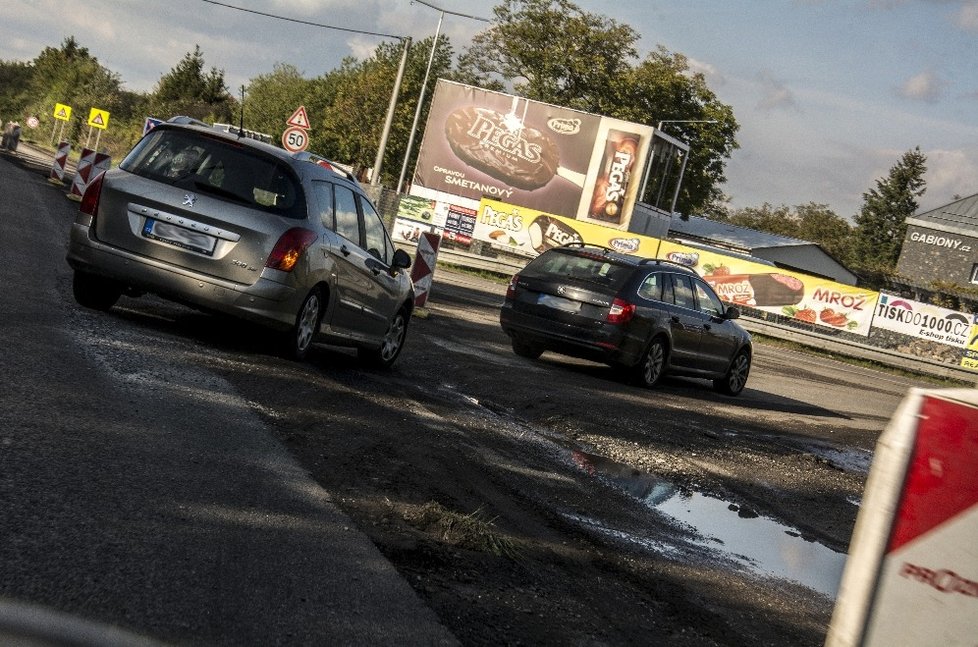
(653, 363)
(306, 326)
(736, 378)
(391, 344)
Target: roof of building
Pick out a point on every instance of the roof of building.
(960, 216)
(733, 236)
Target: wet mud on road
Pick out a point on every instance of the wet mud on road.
(551, 502)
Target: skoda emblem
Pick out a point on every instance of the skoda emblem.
(189, 199)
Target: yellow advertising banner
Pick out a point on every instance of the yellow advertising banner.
(792, 294)
(531, 232)
(970, 359)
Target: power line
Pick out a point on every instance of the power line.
(306, 22)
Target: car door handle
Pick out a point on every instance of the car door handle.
(345, 250)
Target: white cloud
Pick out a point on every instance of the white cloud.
(776, 95)
(927, 86)
(950, 173)
(713, 76)
(967, 16)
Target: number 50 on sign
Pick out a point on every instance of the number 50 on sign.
(295, 139)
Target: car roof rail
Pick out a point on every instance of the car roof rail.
(335, 167)
(581, 243)
(662, 261)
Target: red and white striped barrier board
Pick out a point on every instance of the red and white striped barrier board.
(60, 159)
(423, 269)
(90, 166)
(912, 573)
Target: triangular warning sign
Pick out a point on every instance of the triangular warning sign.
(97, 120)
(62, 114)
(299, 119)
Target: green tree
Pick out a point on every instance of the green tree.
(881, 224)
(552, 51)
(188, 90)
(664, 88)
(819, 224)
(271, 99)
(360, 95)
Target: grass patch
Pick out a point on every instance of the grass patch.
(494, 277)
(472, 531)
(858, 361)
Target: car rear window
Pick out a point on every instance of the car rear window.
(217, 167)
(590, 268)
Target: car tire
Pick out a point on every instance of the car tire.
(298, 341)
(734, 381)
(95, 292)
(390, 347)
(526, 349)
(650, 369)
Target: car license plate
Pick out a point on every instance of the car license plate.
(179, 236)
(559, 303)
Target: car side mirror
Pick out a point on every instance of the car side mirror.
(401, 260)
(733, 312)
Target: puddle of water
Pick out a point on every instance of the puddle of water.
(758, 543)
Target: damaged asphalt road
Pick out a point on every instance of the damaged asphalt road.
(549, 501)
(541, 502)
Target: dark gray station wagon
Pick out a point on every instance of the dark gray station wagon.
(233, 225)
(647, 316)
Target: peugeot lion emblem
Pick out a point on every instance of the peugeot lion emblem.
(189, 199)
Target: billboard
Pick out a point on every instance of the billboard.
(808, 299)
(482, 144)
(922, 320)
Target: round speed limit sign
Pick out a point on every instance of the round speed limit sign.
(295, 139)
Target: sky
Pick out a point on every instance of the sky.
(829, 94)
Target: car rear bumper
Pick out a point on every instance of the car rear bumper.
(607, 344)
(265, 301)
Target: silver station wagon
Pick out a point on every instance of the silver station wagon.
(232, 225)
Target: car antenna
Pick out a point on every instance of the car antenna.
(241, 115)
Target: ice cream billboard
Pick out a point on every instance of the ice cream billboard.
(481, 144)
(922, 320)
(530, 231)
(799, 296)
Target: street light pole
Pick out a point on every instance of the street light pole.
(424, 85)
(686, 121)
(378, 162)
(417, 111)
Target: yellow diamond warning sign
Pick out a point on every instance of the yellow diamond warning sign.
(98, 118)
(62, 112)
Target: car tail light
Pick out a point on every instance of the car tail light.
(511, 288)
(621, 311)
(289, 249)
(89, 201)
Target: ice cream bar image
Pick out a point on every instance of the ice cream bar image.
(614, 174)
(504, 148)
(757, 289)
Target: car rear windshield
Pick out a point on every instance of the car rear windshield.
(590, 268)
(211, 165)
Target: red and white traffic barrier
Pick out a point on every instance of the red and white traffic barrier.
(60, 159)
(423, 269)
(90, 166)
(912, 573)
